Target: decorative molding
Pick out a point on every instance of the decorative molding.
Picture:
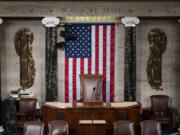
(1, 20)
(130, 21)
(101, 19)
(88, 0)
(50, 21)
(94, 8)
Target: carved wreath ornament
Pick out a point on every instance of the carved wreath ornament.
(157, 45)
(23, 45)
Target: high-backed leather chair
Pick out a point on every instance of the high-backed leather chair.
(33, 128)
(90, 87)
(150, 127)
(161, 111)
(58, 127)
(27, 112)
(123, 128)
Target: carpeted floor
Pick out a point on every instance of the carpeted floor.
(168, 132)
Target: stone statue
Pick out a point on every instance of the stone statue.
(23, 46)
(158, 41)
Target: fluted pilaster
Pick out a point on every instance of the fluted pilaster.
(51, 57)
(130, 58)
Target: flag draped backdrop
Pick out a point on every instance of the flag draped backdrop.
(91, 53)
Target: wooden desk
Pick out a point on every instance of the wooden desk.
(110, 113)
(92, 127)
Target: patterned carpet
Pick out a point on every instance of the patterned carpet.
(168, 132)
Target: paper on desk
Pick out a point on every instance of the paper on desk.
(59, 104)
(92, 122)
(123, 104)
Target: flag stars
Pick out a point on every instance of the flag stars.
(81, 47)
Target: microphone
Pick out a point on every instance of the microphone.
(92, 110)
(94, 89)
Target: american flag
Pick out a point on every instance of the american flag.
(91, 53)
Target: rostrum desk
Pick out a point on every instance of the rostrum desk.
(72, 113)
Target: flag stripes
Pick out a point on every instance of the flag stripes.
(100, 62)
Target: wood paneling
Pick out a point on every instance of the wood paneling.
(73, 114)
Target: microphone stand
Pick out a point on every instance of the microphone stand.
(92, 109)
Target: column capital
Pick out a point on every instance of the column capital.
(130, 21)
(50, 21)
(1, 20)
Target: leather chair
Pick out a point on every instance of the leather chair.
(27, 112)
(123, 128)
(58, 127)
(33, 128)
(161, 111)
(150, 127)
(90, 87)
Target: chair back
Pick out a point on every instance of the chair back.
(90, 87)
(33, 128)
(150, 127)
(58, 127)
(123, 128)
(27, 105)
(159, 104)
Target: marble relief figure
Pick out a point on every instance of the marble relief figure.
(23, 45)
(157, 45)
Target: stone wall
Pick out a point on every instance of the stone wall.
(170, 60)
(10, 67)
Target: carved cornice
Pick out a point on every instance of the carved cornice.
(1, 21)
(90, 8)
(50, 21)
(130, 21)
(88, 0)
